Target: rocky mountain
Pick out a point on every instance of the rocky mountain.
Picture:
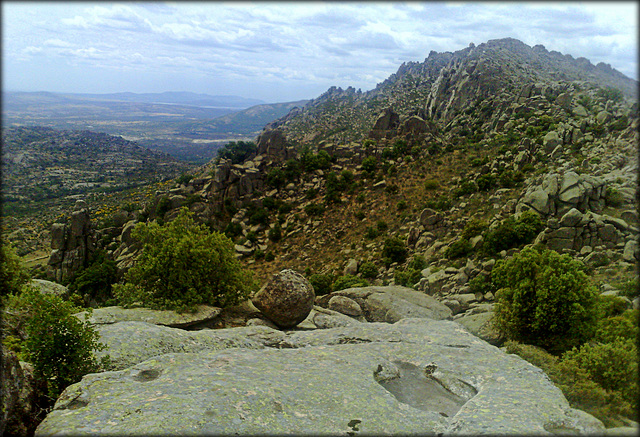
(395, 204)
(493, 74)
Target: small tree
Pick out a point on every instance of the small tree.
(182, 265)
(59, 345)
(544, 299)
(13, 275)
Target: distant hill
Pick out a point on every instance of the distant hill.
(175, 97)
(189, 126)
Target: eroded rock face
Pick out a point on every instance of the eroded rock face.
(286, 300)
(369, 377)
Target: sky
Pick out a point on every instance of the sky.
(282, 51)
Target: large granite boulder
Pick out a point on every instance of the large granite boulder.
(417, 376)
(286, 300)
(388, 303)
(114, 314)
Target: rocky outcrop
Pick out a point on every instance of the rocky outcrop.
(384, 304)
(21, 396)
(558, 193)
(386, 125)
(115, 314)
(71, 243)
(273, 145)
(417, 376)
(286, 299)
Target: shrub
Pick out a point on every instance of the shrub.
(183, 264)
(544, 299)
(322, 283)
(184, 178)
(258, 216)
(371, 233)
(512, 232)
(59, 345)
(233, 229)
(417, 263)
(13, 275)
(395, 249)
(292, 169)
(407, 278)
(314, 209)
(368, 270)
(382, 226)
(458, 249)
(369, 164)
(613, 366)
(95, 281)
(473, 227)
(349, 281)
(575, 383)
(486, 182)
(466, 187)
(611, 93)
(402, 205)
(623, 326)
(163, 206)
(237, 152)
(360, 215)
(275, 233)
(276, 178)
(613, 197)
(431, 184)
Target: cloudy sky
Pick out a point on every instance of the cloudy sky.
(281, 51)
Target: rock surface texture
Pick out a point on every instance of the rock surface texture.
(417, 376)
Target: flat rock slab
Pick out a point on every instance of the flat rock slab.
(369, 378)
(115, 314)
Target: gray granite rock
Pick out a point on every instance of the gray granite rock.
(115, 314)
(417, 376)
(286, 299)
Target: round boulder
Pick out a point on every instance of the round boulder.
(286, 300)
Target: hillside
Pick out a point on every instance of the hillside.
(431, 181)
(45, 170)
(188, 126)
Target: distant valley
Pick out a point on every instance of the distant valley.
(188, 126)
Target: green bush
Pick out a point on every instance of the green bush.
(292, 169)
(163, 206)
(486, 182)
(369, 164)
(431, 184)
(368, 270)
(349, 281)
(472, 228)
(408, 277)
(417, 263)
(458, 249)
(95, 281)
(13, 275)
(613, 197)
(624, 326)
(276, 178)
(314, 209)
(59, 345)
(395, 249)
(575, 383)
(544, 299)
(371, 233)
(613, 366)
(237, 152)
(322, 283)
(512, 232)
(184, 178)
(183, 264)
(233, 229)
(275, 233)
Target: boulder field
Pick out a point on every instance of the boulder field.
(414, 376)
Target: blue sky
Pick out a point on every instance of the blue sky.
(281, 51)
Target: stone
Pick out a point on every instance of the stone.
(551, 140)
(465, 300)
(630, 252)
(115, 314)
(480, 325)
(351, 268)
(286, 300)
(48, 287)
(344, 305)
(564, 101)
(430, 217)
(391, 303)
(417, 376)
(572, 218)
(603, 117)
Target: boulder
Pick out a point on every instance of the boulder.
(391, 303)
(351, 268)
(48, 287)
(551, 140)
(344, 305)
(115, 314)
(286, 299)
(417, 376)
(480, 325)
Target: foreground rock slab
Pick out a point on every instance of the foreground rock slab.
(417, 376)
(115, 314)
